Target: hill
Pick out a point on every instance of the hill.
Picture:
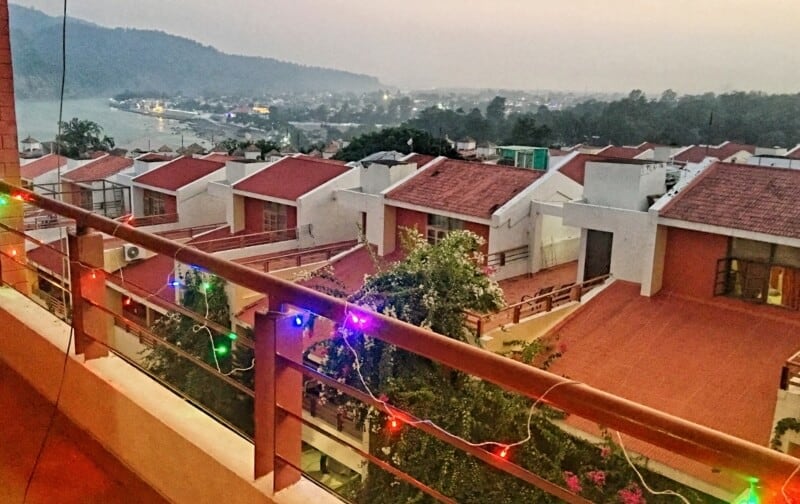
(104, 61)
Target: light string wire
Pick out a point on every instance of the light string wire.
(641, 478)
(504, 447)
(786, 483)
(388, 408)
(51, 421)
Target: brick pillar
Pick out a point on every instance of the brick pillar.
(278, 430)
(11, 213)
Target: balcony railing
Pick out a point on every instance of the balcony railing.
(502, 258)
(245, 240)
(154, 220)
(544, 300)
(299, 258)
(279, 371)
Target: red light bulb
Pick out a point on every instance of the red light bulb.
(394, 424)
(127, 301)
(503, 452)
(94, 274)
(13, 252)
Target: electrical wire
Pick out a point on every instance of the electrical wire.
(641, 478)
(72, 326)
(785, 483)
(52, 419)
(388, 408)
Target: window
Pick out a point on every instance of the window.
(439, 226)
(760, 272)
(274, 216)
(153, 203)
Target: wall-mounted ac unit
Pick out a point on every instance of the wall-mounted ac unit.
(132, 252)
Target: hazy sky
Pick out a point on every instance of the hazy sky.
(605, 45)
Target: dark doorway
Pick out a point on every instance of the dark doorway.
(598, 254)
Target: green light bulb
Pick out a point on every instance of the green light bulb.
(221, 350)
(232, 336)
(206, 286)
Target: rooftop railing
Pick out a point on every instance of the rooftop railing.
(273, 395)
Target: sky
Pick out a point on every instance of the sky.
(690, 46)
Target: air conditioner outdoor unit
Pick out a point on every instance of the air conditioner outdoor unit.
(131, 252)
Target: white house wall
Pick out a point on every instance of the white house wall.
(201, 209)
(516, 224)
(634, 236)
(329, 221)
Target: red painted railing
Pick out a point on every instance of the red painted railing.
(154, 220)
(279, 372)
(245, 240)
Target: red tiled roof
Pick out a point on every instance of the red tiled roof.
(752, 198)
(152, 156)
(575, 168)
(220, 157)
(178, 173)
(41, 166)
(696, 153)
(351, 269)
(319, 159)
(149, 275)
(715, 363)
(420, 159)
(99, 169)
(48, 258)
(621, 152)
(291, 177)
(728, 149)
(461, 187)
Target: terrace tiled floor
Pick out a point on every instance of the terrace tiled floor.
(73, 469)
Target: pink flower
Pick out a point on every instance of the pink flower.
(597, 477)
(605, 452)
(573, 482)
(631, 495)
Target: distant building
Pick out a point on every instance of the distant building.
(523, 156)
(30, 148)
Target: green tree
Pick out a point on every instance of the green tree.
(80, 136)
(525, 131)
(395, 139)
(431, 288)
(204, 294)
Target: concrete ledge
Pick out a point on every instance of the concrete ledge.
(171, 445)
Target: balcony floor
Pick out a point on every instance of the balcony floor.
(74, 468)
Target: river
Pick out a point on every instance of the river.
(39, 119)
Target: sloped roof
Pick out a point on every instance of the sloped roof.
(178, 173)
(39, 167)
(620, 152)
(575, 168)
(473, 189)
(762, 199)
(794, 153)
(150, 276)
(99, 169)
(220, 157)
(291, 177)
(696, 153)
(420, 159)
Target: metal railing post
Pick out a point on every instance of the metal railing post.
(279, 399)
